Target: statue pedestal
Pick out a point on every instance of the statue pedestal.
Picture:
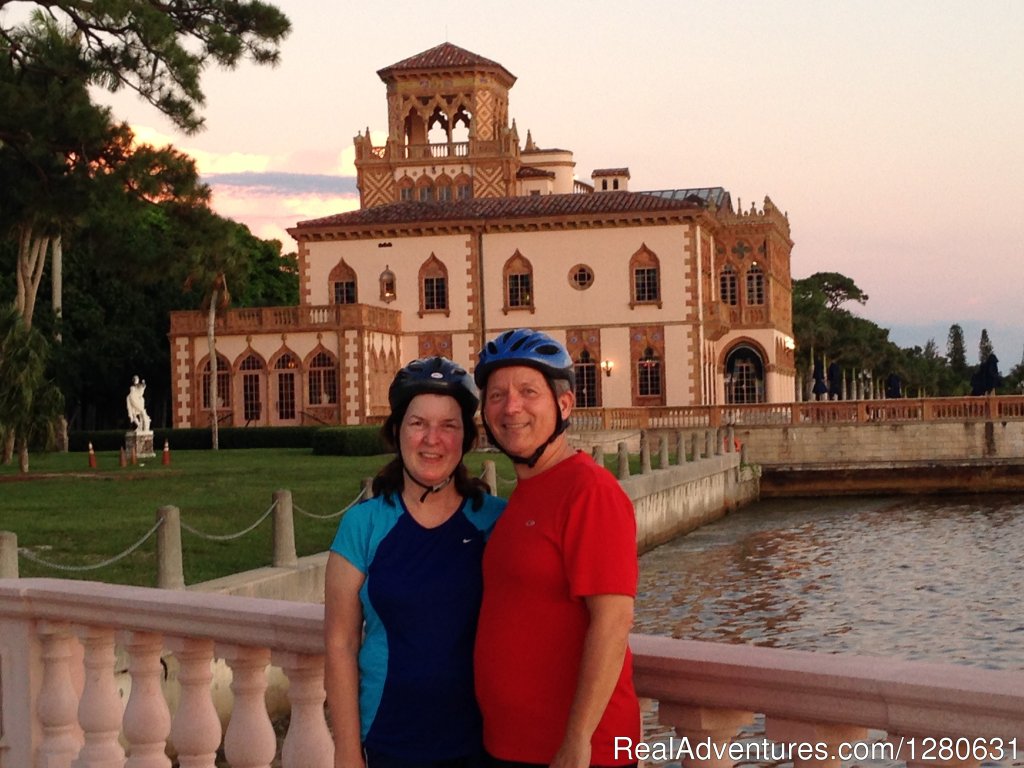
(140, 442)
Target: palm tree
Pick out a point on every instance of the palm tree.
(30, 404)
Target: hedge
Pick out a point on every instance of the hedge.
(349, 441)
(353, 441)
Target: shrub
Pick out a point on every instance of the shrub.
(349, 441)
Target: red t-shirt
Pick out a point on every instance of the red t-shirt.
(566, 534)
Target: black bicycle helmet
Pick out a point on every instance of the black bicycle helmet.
(434, 376)
(524, 346)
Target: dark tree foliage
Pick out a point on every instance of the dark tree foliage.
(158, 49)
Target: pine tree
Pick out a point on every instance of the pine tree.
(956, 352)
(984, 346)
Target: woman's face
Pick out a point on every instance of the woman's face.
(430, 438)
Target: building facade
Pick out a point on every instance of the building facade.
(663, 298)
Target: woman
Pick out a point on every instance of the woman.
(406, 566)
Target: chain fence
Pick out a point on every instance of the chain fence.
(79, 568)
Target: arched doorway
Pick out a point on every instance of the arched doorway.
(744, 376)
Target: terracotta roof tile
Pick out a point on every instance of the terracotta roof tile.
(443, 56)
(599, 172)
(529, 172)
(529, 206)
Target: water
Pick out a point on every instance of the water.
(934, 579)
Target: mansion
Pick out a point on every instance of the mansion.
(663, 298)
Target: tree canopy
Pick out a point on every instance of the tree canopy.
(158, 50)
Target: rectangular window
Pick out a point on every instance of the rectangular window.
(435, 293)
(323, 386)
(251, 396)
(465, 191)
(345, 292)
(286, 396)
(405, 194)
(444, 193)
(223, 389)
(649, 378)
(586, 385)
(426, 194)
(646, 283)
(519, 291)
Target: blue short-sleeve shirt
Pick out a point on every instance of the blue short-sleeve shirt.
(420, 601)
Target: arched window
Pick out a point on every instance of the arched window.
(343, 284)
(586, 381)
(387, 285)
(252, 369)
(518, 278)
(433, 286)
(649, 374)
(744, 376)
(287, 366)
(463, 187)
(461, 124)
(645, 278)
(424, 189)
(755, 285)
(323, 380)
(223, 383)
(437, 127)
(727, 286)
(405, 189)
(443, 188)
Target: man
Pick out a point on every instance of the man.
(554, 674)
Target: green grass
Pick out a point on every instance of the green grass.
(69, 514)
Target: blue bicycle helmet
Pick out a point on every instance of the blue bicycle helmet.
(524, 346)
(434, 376)
(533, 349)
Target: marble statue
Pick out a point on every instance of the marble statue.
(137, 405)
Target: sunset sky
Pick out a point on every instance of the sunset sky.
(892, 133)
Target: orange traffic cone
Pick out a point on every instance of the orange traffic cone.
(123, 461)
(166, 460)
(92, 457)
(134, 456)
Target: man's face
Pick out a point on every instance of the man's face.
(519, 407)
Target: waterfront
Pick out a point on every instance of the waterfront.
(934, 579)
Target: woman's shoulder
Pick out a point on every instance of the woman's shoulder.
(484, 516)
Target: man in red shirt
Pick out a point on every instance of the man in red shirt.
(553, 670)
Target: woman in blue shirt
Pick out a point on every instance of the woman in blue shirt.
(403, 587)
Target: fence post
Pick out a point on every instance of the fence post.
(491, 476)
(284, 531)
(694, 447)
(730, 439)
(719, 440)
(367, 488)
(8, 555)
(598, 455)
(169, 571)
(645, 453)
(623, 462)
(709, 443)
(680, 448)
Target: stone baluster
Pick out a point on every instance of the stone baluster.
(663, 453)
(719, 440)
(101, 708)
(249, 741)
(680, 448)
(813, 734)
(57, 705)
(308, 743)
(730, 439)
(147, 720)
(694, 447)
(195, 730)
(709, 443)
(702, 725)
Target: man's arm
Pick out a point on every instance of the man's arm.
(604, 650)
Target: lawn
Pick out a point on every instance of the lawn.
(69, 514)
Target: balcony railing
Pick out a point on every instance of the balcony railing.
(303, 317)
(59, 686)
(936, 409)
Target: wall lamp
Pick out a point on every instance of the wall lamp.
(606, 366)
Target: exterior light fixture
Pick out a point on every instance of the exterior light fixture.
(606, 366)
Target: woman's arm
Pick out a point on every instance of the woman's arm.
(343, 633)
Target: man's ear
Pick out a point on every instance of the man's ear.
(566, 402)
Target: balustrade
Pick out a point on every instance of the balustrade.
(706, 692)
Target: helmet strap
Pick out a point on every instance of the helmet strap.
(427, 489)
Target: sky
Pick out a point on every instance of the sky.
(891, 133)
